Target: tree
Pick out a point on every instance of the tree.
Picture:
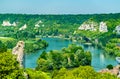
(9, 67)
(109, 66)
(33, 74)
(70, 57)
(3, 48)
(82, 72)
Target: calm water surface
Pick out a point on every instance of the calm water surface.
(99, 59)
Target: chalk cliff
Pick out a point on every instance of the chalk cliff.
(18, 50)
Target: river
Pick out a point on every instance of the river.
(99, 59)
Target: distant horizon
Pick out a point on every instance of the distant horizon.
(59, 6)
(58, 14)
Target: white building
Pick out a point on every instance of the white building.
(103, 27)
(23, 27)
(117, 30)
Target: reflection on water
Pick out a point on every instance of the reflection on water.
(99, 59)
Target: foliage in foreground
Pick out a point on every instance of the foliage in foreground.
(70, 57)
(9, 67)
(113, 47)
(82, 72)
(34, 74)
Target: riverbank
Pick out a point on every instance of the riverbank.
(32, 45)
(73, 39)
(99, 59)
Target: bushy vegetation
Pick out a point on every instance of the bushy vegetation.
(70, 57)
(34, 74)
(109, 66)
(9, 67)
(113, 47)
(82, 72)
(3, 48)
(8, 42)
(33, 45)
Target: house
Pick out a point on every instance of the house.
(103, 27)
(117, 30)
(23, 27)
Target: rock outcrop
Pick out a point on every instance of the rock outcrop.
(117, 30)
(103, 27)
(23, 27)
(93, 26)
(37, 25)
(18, 50)
(7, 23)
(89, 25)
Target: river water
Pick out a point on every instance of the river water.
(99, 59)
